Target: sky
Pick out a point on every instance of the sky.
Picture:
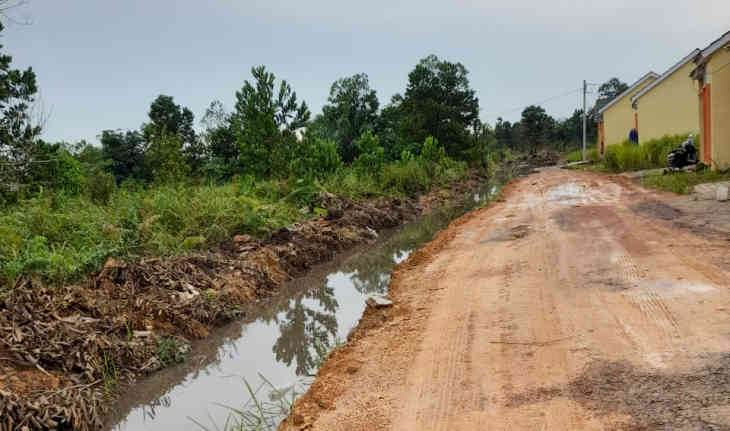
(101, 63)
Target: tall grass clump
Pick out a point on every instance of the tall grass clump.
(651, 154)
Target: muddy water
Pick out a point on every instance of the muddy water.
(281, 338)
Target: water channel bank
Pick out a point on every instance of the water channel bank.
(281, 339)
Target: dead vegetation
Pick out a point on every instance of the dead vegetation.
(65, 351)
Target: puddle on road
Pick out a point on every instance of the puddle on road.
(279, 339)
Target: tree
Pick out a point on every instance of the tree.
(170, 119)
(536, 127)
(439, 102)
(265, 123)
(352, 109)
(164, 157)
(389, 126)
(18, 134)
(606, 93)
(503, 133)
(124, 153)
(219, 138)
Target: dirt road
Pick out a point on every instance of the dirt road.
(574, 303)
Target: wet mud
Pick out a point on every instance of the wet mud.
(653, 400)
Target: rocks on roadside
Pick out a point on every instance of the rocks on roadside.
(378, 302)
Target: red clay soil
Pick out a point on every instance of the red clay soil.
(573, 303)
(64, 350)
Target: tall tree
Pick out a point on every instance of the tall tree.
(219, 137)
(439, 102)
(503, 133)
(173, 120)
(18, 134)
(123, 153)
(265, 123)
(536, 127)
(352, 109)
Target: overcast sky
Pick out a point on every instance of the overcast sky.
(101, 63)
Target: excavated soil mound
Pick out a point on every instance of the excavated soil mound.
(65, 350)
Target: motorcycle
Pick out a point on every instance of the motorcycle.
(685, 155)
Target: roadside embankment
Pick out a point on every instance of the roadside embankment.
(66, 350)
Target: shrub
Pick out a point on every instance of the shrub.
(315, 158)
(372, 155)
(574, 156)
(101, 185)
(408, 178)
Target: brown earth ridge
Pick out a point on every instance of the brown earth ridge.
(576, 301)
(64, 350)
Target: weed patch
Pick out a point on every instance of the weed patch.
(683, 182)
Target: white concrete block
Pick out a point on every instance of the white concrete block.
(721, 193)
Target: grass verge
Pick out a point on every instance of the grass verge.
(683, 182)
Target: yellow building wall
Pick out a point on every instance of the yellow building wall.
(718, 69)
(618, 120)
(670, 108)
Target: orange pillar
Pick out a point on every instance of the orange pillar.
(706, 126)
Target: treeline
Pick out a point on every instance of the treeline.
(269, 133)
(537, 130)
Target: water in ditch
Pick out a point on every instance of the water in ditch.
(278, 347)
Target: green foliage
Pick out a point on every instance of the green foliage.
(574, 156)
(683, 182)
(632, 157)
(170, 351)
(124, 153)
(17, 133)
(432, 152)
(265, 122)
(315, 158)
(438, 102)
(164, 157)
(372, 155)
(352, 109)
(169, 118)
(407, 177)
(101, 186)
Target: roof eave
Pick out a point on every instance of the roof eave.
(690, 57)
(629, 90)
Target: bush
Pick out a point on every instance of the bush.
(408, 178)
(574, 156)
(315, 158)
(372, 155)
(101, 185)
(651, 154)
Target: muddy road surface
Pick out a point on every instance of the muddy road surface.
(576, 302)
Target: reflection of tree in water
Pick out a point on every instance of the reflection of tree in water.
(371, 271)
(306, 326)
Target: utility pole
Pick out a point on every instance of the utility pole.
(585, 89)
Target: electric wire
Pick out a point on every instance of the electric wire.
(549, 99)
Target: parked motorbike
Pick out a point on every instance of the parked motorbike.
(683, 156)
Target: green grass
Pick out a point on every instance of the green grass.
(649, 155)
(682, 182)
(257, 414)
(577, 155)
(59, 238)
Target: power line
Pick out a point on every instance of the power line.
(549, 99)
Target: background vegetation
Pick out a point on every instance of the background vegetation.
(168, 188)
